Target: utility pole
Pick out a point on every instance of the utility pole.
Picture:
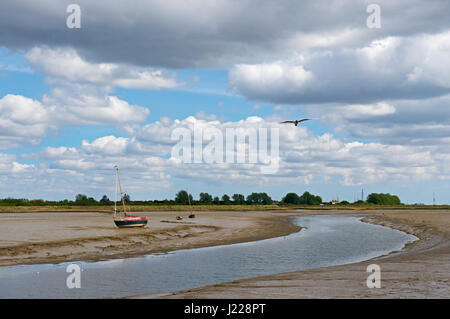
(362, 194)
(434, 200)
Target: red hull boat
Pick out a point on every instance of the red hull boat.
(131, 221)
(122, 219)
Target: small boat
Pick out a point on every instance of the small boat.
(191, 215)
(122, 219)
(130, 221)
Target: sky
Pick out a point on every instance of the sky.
(77, 99)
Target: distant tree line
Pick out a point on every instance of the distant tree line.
(237, 199)
(305, 199)
(183, 198)
(383, 199)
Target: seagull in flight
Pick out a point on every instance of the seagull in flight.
(296, 121)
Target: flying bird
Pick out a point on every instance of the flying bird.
(296, 121)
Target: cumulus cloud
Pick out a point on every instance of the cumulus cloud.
(269, 79)
(25, 121)
(216, 34)
(80, 95)
(9, 165)
(109, 145)
(80, 109)
(57, 152)
(402, 122)
(304, 156)
(389, 87)
(388, 68)
(22, 120)
(368, 110)
(67, 64)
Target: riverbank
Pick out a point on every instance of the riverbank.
(421, 270)
(108, 209)
(38, 238)
(138, 208)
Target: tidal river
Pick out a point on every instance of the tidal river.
(324, 241)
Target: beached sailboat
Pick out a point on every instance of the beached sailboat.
(122, 219)
(191, 215)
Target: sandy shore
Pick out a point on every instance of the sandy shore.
(421, 270)
(35, 238)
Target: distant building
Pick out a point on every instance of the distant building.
(334, 202)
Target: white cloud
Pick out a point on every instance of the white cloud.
(387, 68)
(216, 34)
(25, 121)
(305, 157)
(9, 165)
(388, 86)
(369, 110)
(79, 96)
(109, 145)
(57, 152)
(79, 109)
(67, 64)
(203, 116)
(423, 122)
(22, 120)
(269, 78)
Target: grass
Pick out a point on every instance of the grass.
(151, 208)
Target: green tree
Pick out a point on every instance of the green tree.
(310, 199)
(80, 198)
(265, 199)
(83, 200)
(291, 198)
(216, 200)
(182, 197)
(226, 199)
(253, 198)
(238, 199)
(105, 200)
(383, 199)
(259, 198)
(205, 198)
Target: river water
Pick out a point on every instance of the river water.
(325, 241)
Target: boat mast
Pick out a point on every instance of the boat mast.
(121, 194)
(115, 197)
(189, 200)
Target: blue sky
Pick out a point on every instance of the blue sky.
(72, 103)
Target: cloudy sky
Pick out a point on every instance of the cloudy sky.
(76, 101)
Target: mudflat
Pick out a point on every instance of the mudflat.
(35, 238)
(421, 270)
